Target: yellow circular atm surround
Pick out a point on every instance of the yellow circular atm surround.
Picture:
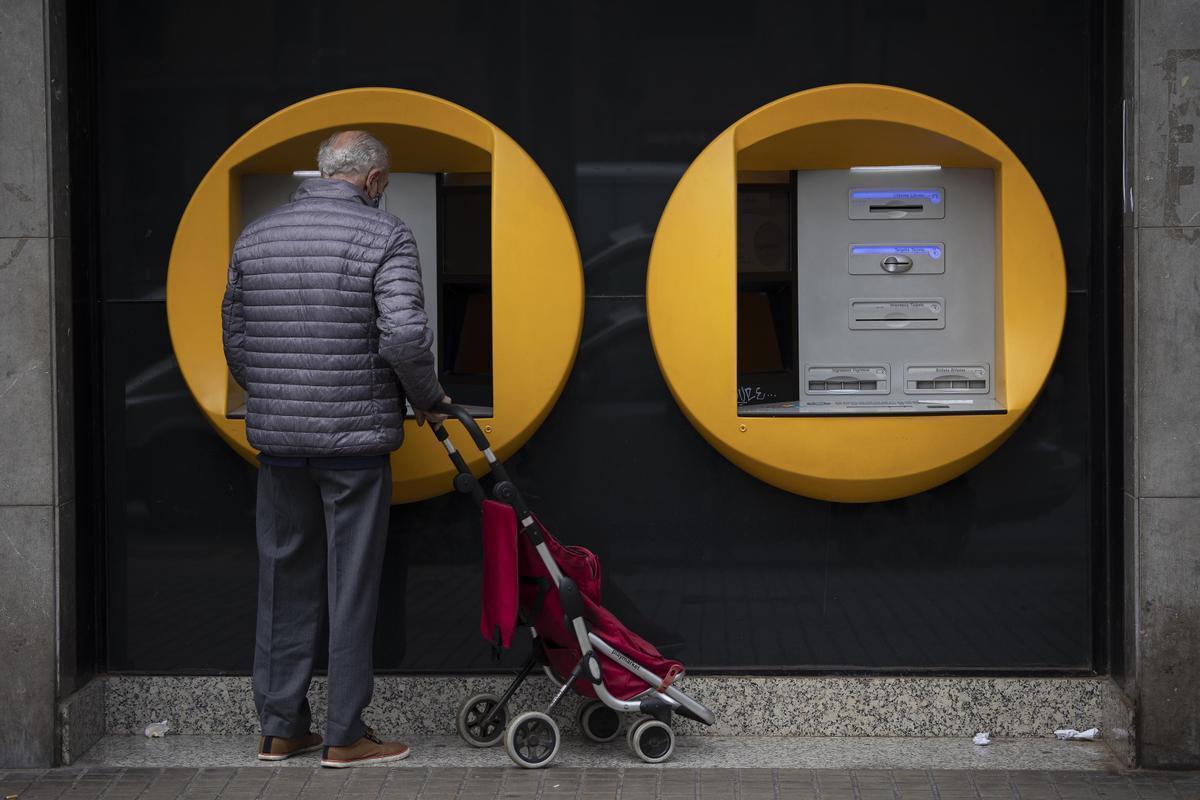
(537, 277)
(691, 293)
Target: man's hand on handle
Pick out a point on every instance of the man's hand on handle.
(435, 420)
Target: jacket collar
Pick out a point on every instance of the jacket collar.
(332, 189)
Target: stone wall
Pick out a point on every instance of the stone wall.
(1162, 379)
(37, 558)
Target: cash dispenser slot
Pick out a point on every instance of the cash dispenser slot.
(924, 379)
(887, 203)
(847, 380)
(867, 314)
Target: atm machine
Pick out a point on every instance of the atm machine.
(450, 217)
(894, 278)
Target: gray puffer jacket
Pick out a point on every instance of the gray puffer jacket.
(323, 311)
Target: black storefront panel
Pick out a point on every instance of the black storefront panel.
(991, 571)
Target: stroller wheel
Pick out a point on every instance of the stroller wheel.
(472, 713)
(637, 720)
(532, 740)
(653, 741)
(599, 722)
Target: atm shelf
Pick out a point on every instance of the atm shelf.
(479, 412)
(884, 408)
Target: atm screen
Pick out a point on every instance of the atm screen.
(758, 338)
(467, 230)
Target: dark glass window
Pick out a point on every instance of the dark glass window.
(766, 307)
(465, 288)
(613, 99)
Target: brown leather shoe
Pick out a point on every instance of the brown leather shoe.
(367, 750)
(277, 748)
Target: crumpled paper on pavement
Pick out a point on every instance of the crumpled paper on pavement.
(1089, 735)
(982, 738)
(157, 730)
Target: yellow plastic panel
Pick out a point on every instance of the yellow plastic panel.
(691, 293)
(537, 277)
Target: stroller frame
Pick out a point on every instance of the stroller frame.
(661, 698)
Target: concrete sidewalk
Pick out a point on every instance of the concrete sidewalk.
(691, 752)
(703, 767)
(630, 783)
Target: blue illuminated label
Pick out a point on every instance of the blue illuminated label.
(931, 250)
(932, 195)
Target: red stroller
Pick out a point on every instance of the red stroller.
(554, 589)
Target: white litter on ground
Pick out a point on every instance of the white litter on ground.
(1089, 735)
(156, 730)
(982, 738)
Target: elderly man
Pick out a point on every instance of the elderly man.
(324, 327)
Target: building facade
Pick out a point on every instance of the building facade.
(1060, 573)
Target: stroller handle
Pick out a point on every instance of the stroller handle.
(465, 481)
(468, 422)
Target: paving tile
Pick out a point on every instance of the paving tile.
(12, 787)
(592, 784)
(838, 794)
(762, 794)
(66, 775)
(1076, 792)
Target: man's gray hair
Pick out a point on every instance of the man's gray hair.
(352, 153)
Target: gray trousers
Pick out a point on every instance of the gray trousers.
(321, 539)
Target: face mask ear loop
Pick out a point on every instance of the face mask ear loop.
(374, 201)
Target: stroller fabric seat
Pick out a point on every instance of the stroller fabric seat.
(516, 583)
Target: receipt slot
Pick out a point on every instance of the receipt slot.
(856, 293)
(491, 233)
(450, 218)
(895, 293)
